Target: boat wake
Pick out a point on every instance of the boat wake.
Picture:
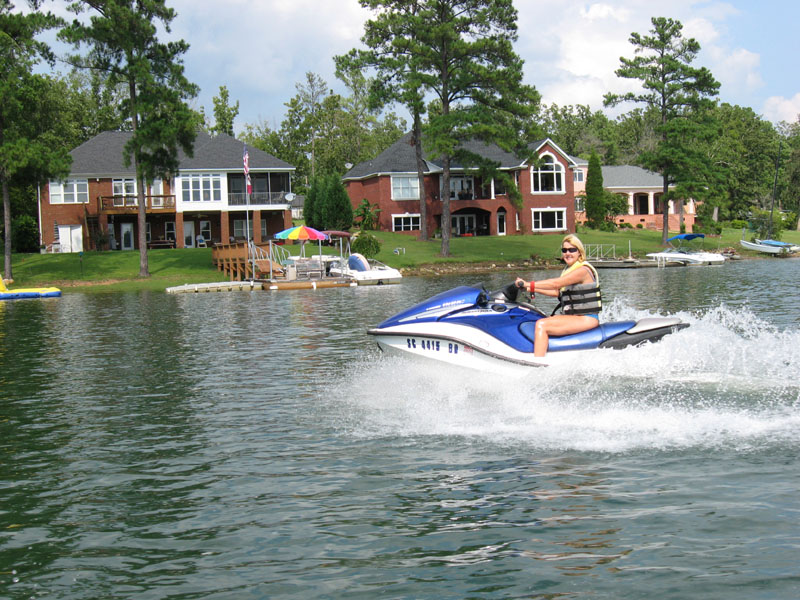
(730, 381)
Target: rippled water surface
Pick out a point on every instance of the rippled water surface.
(256, 445)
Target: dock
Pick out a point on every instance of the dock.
(631, 263)
(257, 267)
(259, 285)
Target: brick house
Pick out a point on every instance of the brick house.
(478, 207)
(643, 190)
(205, 202)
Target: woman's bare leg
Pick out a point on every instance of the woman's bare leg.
(559, 325)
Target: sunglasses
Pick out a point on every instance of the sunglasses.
(570, 250)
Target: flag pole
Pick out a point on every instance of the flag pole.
(250, 256)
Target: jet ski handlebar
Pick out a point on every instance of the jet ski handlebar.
(509, 293)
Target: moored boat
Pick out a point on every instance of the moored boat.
(770, 246)
(365, 271)
(687, 255)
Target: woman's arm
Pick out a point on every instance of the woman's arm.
(551, 287)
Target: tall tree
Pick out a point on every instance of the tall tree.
(93, 105)
(123, 41)
(595, 194)
(579, 131)
(790, 184)
(678, 91)
(743, 159)
(310, 96)
(460, 52)
(224, 113)
(26, 142)
(397, 77)
(635, 132)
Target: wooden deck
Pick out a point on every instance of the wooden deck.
(267, 264)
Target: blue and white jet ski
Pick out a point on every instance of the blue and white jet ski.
(471, 327)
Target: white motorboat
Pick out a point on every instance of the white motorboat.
(685, 254)
(364, 271)
(770, 246)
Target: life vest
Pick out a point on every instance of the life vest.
(580, 298)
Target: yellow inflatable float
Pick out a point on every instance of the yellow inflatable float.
(19, 294)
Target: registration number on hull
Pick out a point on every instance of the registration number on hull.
(434, 345)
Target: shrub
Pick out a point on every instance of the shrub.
(24, 234)
(366, 244)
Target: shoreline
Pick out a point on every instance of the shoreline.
(423, 270)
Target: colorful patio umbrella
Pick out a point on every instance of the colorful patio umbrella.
(301, 232)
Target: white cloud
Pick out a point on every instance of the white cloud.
(605, 11)
(737, 70)
(260, 50)
(778, 108)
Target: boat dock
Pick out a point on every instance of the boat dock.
(264, 267)
(260, 284)
(632, 263)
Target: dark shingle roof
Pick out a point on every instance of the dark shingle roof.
(629, 176)
(103, 155)
(400, 158)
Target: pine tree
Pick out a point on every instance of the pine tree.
(679, 93)
(596, 209)
(460, 52)
(26, 143)
(122, 40)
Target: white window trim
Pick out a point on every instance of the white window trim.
(406, 216)
(56, 189)
(241, 225)
(187, 181)
(415, 184)
(563, 212)
(454, 178)
(559, 170)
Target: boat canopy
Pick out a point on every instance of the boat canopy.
(686, 236)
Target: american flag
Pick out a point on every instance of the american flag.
(246, 161)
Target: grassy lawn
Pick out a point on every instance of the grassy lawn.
(119, 270)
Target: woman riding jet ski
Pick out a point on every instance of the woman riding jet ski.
(471, 327)
(578, 291)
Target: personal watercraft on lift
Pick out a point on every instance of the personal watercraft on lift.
(471, 327)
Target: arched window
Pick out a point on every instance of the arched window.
(549, 177)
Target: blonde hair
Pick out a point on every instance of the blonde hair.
(573, 239)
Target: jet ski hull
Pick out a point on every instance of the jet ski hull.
(469, 328)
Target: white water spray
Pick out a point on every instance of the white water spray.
(728, 381)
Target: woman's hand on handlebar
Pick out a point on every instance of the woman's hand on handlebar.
(521, 283)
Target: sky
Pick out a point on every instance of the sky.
(261, 49)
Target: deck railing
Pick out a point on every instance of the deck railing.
(258, 198)
(131, 203)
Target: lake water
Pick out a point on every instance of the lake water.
(256, 445)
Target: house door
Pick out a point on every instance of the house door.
(501, 222)
(462, 224)
(126, 230)
(188, 234)
(70, 237)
